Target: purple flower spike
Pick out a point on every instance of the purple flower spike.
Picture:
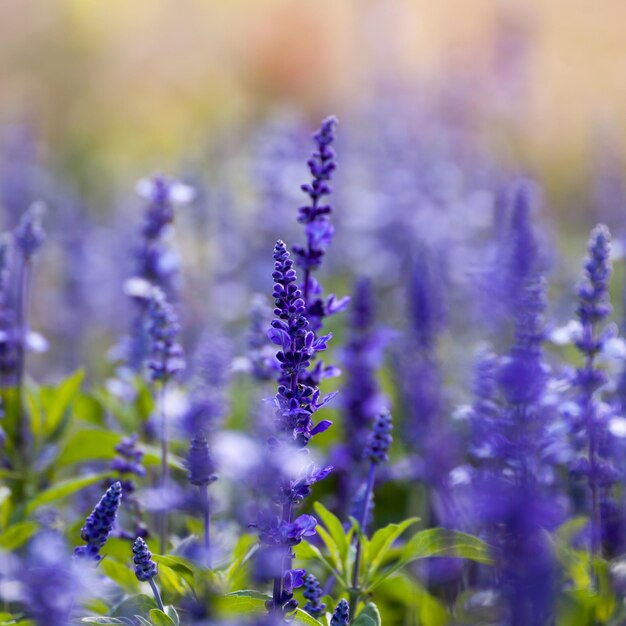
(199, 462)
(100, 523)
(30, 235)
(145, 567)
(317, 227)
(313, 593)
(379, 441)
(341, 615)
(166, 358)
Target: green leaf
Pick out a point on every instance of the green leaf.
(244, 549)
(444, 542)
(186, 570)
(17, 535)
(333, 549)
(158, 618)
(89, 445)
(121, 575)
(382, 541)
(439, 542)
(142, 620)
(139, 604)
(171, 581)
(369, 616)
(100, 619)
(171, 611)
(56, 402)
(335, 528)
(64, 489)
(305, 551)
(302, 617)
(244, 601)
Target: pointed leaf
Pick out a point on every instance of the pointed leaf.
(369, 616)
(64, 489)
(334, 526)
(158, 618)
(18, 534)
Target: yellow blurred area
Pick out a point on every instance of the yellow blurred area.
(126, 81)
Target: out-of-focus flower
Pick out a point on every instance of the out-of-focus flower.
(313, 593)
(199, 462)
(166, 357)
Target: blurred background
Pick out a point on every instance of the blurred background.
(115, 85)
(441, 105)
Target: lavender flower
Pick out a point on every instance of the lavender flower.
(29, 234)
(513, 444)
(156, 265)
(99, 524)
(128, 461)
(341, 614)
(379, 441)
(362, 398)
(145, 567)
(199, 462)
(296, 402)
(318, 229)
(50, 582)
(593, 309)
(313, 593)
(154, 260)
(377, 452)
(209, 401)
(166, 358)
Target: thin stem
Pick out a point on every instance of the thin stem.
(21, 309)
(286, 565)
(355, 592)
(206, 506)
(157, 595)
(164, 479)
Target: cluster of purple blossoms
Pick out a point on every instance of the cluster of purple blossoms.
(16, 256)
(208, 402)
(145, 567)
(296, 402)
(313, 593)
(200, 463)
(156, 265)
(362, 398)
(165, 355)
(513, 447)
(99, 524)
(128, 462)
(590, 428)
(318, 229)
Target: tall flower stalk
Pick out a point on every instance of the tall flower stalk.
(165, 361)
(317, 227)
(362, 399)
(146, 568)
(201, 475)
(376, 452)
(593, 309)
(296, 403)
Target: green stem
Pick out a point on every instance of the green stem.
(164, 479)
(355, 591)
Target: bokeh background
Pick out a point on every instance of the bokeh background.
(441, 105)
(116, 85)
